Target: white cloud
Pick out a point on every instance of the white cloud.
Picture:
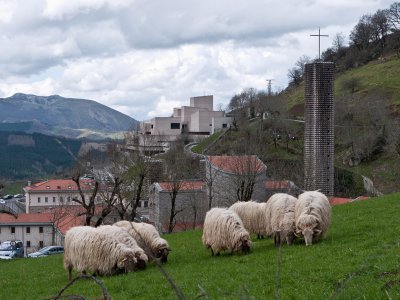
(145, 57)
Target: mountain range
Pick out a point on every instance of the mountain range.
(68, 117)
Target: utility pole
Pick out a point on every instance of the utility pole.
(269, 86)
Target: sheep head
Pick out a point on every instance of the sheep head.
(141, 261)
(162, 254)
(308, 234)
(245, 245)
(127, 263)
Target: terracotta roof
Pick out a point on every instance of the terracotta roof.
(60, 184)
(189, 185)
(26, 218)
(245, 164)
(277, 185)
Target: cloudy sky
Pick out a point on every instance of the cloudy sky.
(144, 57)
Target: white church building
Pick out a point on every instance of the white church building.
(197, 119)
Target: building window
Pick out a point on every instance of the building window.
(38, 200)
(224, 125)
(28, 230)
(146, 203)
(54, 199)
(61, 199)
(40, 244)
(46, 199)
(40, 229)
(12, 229)
(152, 126)
(175, 125)
(28, 243)
(68, 199)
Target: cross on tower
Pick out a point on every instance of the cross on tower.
(319, 41)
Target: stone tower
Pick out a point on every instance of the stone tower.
(318, 128)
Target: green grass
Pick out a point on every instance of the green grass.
(200, 147)
(373, 77)
(359, 259)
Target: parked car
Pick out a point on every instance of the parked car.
(2, 201)
(47, 251)
(6, 197)
(18, 196)
(12, 249)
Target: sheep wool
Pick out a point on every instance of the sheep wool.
(148, 238)
(280, 216)
(312, 216)
(224, 230)
(123, 236)
(253, 216)
(87, 249)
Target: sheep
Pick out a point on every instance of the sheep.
(312, 215)
(86, 248)
(280, 218)
(123, 236)
(148, 238)
(253, 216)
(224, 230)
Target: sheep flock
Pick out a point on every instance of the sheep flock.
(129, 246)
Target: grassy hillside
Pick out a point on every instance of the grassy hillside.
(376, 76)
(359, 259)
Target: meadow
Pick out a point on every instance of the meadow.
(359, 259)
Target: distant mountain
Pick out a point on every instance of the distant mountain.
(56, 115)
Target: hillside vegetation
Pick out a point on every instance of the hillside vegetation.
(359, 259)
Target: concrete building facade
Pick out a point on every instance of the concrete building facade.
(197, 119)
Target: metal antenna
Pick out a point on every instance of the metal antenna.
(269, 86)
(319, 41)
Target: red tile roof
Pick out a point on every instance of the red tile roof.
(277, 185)
(245, 164)
(26, 218)
(189, 185)
(60, 185)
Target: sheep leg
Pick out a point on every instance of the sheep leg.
(69, 273)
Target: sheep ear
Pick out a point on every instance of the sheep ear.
(317, 231)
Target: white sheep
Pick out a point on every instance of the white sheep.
(280, 218)
(87, 249)
(123, 236)
(224, 230)
(148, 238)
(253, 216)
(312, 215)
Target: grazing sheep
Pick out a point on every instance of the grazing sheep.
(88, 249)
(123, 236)
(253, 216)
(312, 215)
(280, 218)
(223, 230)
(148, 238)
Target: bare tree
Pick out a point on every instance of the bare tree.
(393, 15)
(179, 166)
(338, 42)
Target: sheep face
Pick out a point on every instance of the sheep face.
(308, 235)
(162, 255)
(245, 246)
(127, 263)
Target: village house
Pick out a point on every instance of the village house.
(227, 178)
(235, 178)
(36, 230)
(190, 204)
(60, 192)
